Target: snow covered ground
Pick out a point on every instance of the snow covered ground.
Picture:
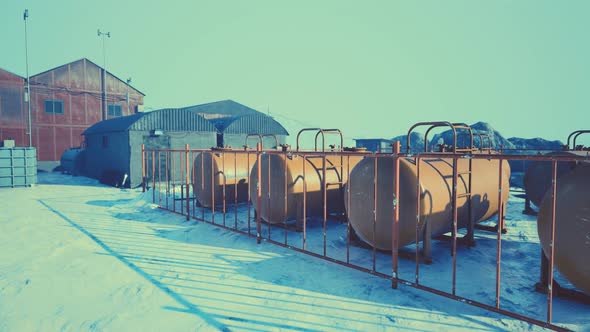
(79, 256)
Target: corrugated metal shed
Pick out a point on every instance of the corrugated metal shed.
(250, 124)
(222, 108)
(171, 119)
(230, 117)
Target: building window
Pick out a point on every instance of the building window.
(54, 106)
(115, 110)
(105, 141)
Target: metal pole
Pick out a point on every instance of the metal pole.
(395, 228)
(499, 235)
(249, 194)
(213, 175)
(143, 167)
(375, 179)
(203, 183)
(167, 180)
(269, 195)
(258, 192)
(153, 177)
(223, 198)
(173, 181)
(324, 195)
(285, 196)
(236, 190)
(28, 92)
(159, 178)
(552, 243)
(127, 96)
(104, 71)
(418, 212)
(455, 218)
(304, 204)
(105, 105)
(186, 176)
(348, 230)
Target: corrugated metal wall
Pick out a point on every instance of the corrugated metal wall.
(78, 86)
(12, 108)
(173, 120)
(255, 124)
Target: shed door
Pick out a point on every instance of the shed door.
(220, 143)
(156, 162)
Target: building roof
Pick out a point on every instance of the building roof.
(223, 108)
(170, 119)
(249, 124)
(85, 59)
(225, 116)
(11, 73)
(231, 117)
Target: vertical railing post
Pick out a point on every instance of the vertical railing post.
(348, 209)
(203, 184)
(173, 177)
(552, 243)
(159, 154)
(249, 187)
(499, 235)
(167, 179)
(324, 197)
(223, 198)
(286, 175)
(213, 189)
(268, 193)
(143, 168)
(455, 220)
(418, 213)
(153, 177)
(187, 181)
(259, 192)
(375, 179)
(395, 226)
(304, 245)
(236, 190)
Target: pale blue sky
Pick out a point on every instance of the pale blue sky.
(370, 68)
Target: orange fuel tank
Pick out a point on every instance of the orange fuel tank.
(218, 171)
(537, 178)
(291, 174)
(436, 178)
(572, 226)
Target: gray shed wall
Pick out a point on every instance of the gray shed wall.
(195, 140)
(113, 157)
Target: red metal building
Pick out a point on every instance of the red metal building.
(12, 108)
(64, 102)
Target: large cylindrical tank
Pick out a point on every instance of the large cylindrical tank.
(212, 171)
(537, 178)
(290, 170)
(572, 226)
(72, 161)
(436, 179)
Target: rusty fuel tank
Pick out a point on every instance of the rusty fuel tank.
(436, 178)
(572, 226)
(285, 177)
(222, 172)
(537, 178)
